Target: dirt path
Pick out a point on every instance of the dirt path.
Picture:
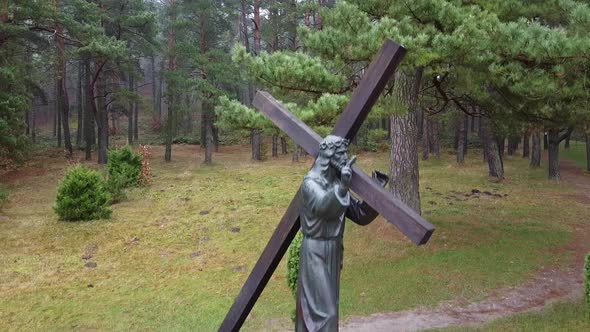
(549, 286)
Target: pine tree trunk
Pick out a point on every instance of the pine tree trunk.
(103, 122)
(257, 27)
(80, 101)
(501, 143)
(62, 94)
(27, 122)
(88, 116)
(154, 84)
(434, 137)
(215, 132)
(425, 137)
(511, 147)
(203, 126)
(295, 152)
(553, 154)
(160, 91)
(536, 149)
(208, 110)
(463, 124)
(257, 144)
(130, 112)
(526, 144)
(457, 138)
(567, 142)
(492, 153)
(173, 95)
(58, 113)
(284, 146)
(169, 127)
(135, 122)
(403, 168)
(33, 125)
(275, 145)
(55, 112)
(587, 152)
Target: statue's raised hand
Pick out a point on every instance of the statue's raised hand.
(346, 173)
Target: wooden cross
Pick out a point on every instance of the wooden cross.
(404, 218)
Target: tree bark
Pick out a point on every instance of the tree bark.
(135, 122)
(501, 142)
(526, 144)
(208, 111)
(275, 145)
(27, 122)
(154, 86)
(33, 124)
(295, 152)
(425, 137)
(553, 153)
(160, 92)
(103, 122)
(170, 117)
(567, 142)
(88, 116)
(80, 101)
(404, 171)
(434, 137)
(257, 27)
(130, 111)
(492, 153)
(57, 113)
(62, 94)
(257, 144)
(587, 152)
(462, 144)
(284, 146)
(536, 149)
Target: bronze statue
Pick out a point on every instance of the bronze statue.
(326, 203)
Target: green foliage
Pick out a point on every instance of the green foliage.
(587, 281)
(123, 167)
(3, 195)
(82, 195)
(293, 263)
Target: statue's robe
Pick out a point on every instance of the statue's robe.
(320, 261)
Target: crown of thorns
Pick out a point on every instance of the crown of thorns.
(337, 144)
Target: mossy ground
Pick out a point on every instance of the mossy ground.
(175, 253)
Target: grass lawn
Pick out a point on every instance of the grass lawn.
(563, 316)
(175, 254)
(576, 152)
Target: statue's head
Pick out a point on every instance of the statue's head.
(333, 151)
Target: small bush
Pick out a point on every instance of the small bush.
(124, 167)
(3, 195)
(293, 268)
(587, 281)
(82, 195)
(293, 263)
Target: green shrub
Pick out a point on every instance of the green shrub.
(123, 167)
(82, 195)
(293, 263)
(3, 195)
(587, 281)
(293, 268)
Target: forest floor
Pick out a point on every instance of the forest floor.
(550, 285)
(175, 253)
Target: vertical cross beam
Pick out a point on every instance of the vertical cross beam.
(363, 98)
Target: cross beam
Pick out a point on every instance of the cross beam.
(396, 212)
